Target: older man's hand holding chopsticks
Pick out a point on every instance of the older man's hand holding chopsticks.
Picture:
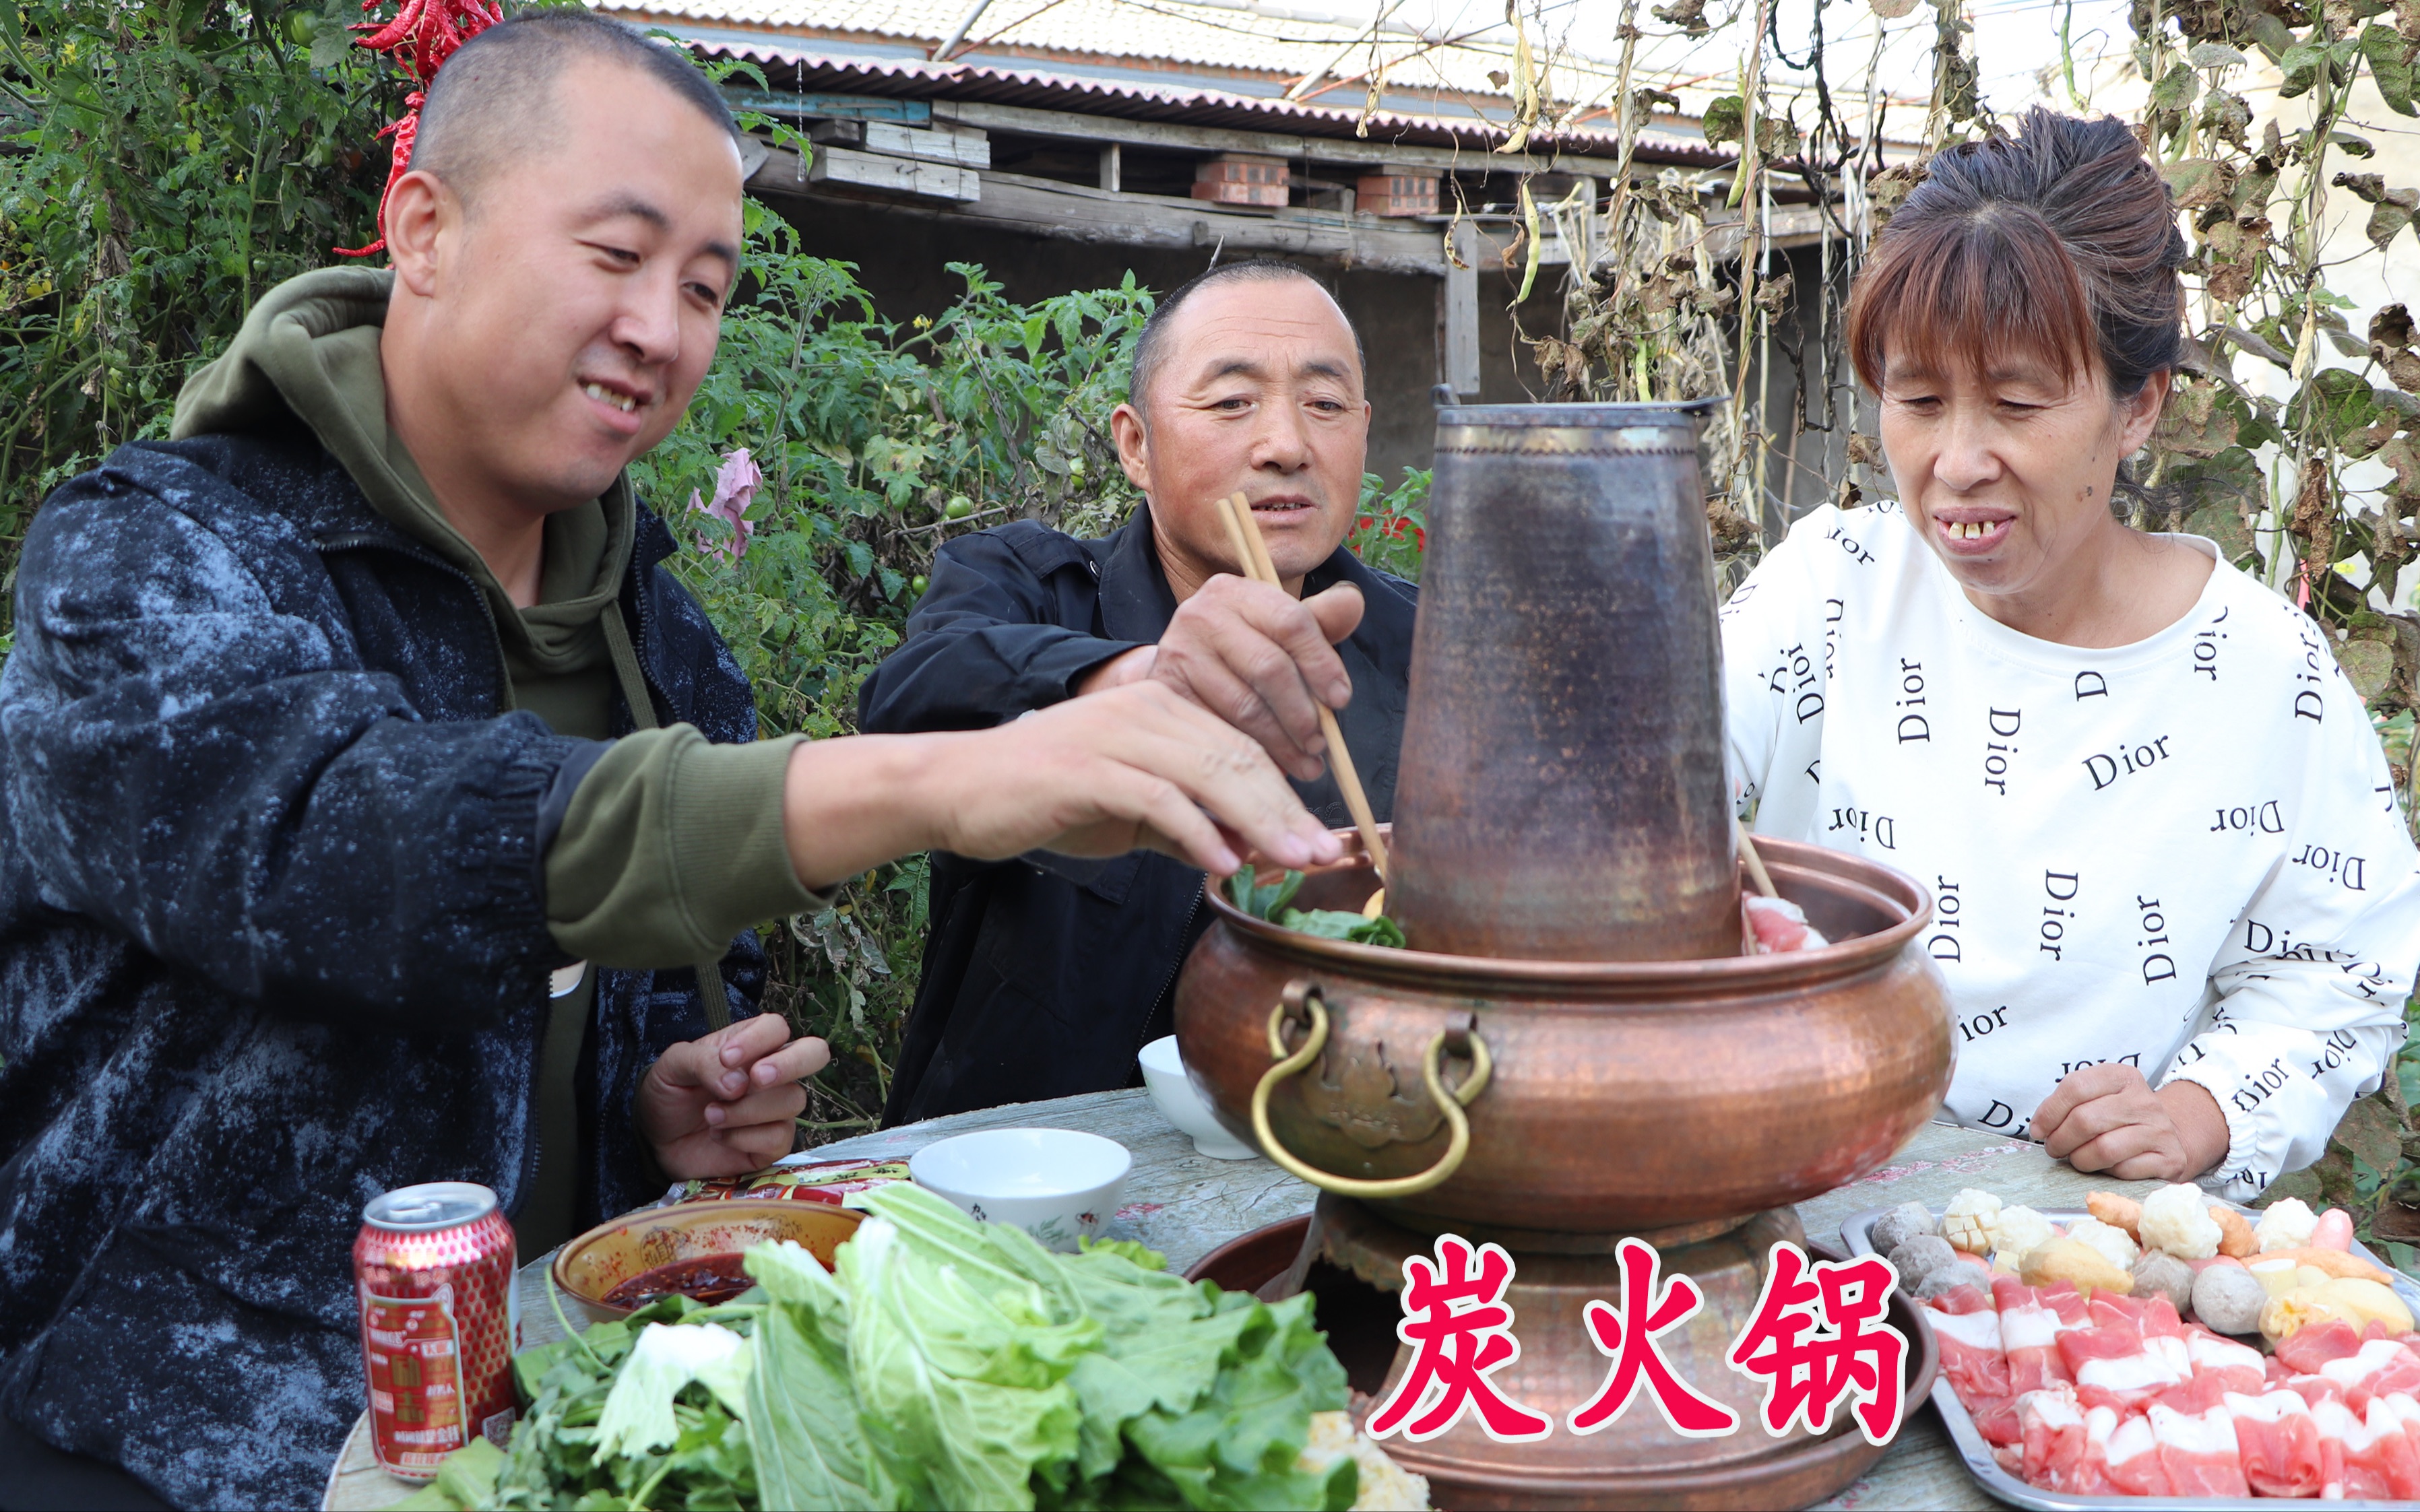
(1258, 658)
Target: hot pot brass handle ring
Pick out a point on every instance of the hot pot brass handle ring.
(1302, 1000)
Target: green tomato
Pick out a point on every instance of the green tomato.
(959, 507)
(320, 155)
(917, 584)
(303, 28)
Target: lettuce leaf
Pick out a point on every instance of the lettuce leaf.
(1238, 1447)
(638, 1415)
(802, 1420)
(961, 1391)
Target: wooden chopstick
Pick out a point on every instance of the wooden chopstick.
(1756, 870)
(1244, 534)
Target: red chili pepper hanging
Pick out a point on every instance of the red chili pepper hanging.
(422, 34)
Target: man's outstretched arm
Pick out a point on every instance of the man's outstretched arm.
(1135, 767)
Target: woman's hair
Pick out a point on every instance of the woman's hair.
(2060, 242)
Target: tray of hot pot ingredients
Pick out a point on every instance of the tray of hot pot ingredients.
(2173, 1349)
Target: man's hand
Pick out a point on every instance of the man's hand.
(725, 1104)
(1256, 658)
(1136, 767)
(2106, 1118)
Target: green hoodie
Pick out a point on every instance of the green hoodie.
(672, 844)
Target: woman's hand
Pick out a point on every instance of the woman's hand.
(726, 1104)
(2106, 1118)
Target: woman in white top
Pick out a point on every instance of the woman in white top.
(2175, 905)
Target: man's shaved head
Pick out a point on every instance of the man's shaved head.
(1151, 346)
(494, 99)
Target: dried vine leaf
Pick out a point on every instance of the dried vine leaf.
(1690, 16)
(2197, 424)
(2199, 182)
(1726, 120)
(1887, 189)
(2390, 331)
(2224, 524)
(2370, 1129)
(2224, 115)
(2403, 456)
(2391, 66)
(2391, 214)
(2177, 87)
(1892, 10)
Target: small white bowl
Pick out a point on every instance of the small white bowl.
(1183, 1104)
(1056, 1184)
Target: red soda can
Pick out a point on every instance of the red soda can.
(433, 1272)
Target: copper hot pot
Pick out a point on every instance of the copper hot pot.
(1652, 1097)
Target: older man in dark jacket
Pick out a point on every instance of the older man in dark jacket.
(376, 808)
(1044, 976)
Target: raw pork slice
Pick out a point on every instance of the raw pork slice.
(1975, 1367)
(2306, 1350)
(2029, 1331)
(2136, 1466)
(2158, 1319)
(1962, 1299)
(2406, 1411)
(2315, 1389)
(2277, 1442)
(2118, 1369)
(2061, 1453)
(2237, 1368)
(2109, 1310)
(2377, 1369)
(1778, 926)
(2193, 1397)
(2199, 1453)
(2365, 1457)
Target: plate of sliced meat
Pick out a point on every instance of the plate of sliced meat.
(2065, 1395)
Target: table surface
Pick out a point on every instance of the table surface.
(1186, 1204)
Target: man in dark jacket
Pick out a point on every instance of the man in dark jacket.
(376, 808)
(1044, 976)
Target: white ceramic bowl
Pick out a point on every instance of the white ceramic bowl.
(1182, 1104)
(1056, 1184)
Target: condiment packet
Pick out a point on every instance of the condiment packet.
(829, 1181)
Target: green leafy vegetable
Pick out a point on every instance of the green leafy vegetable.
(1257, 899)
(638, 1412)
(947, 1365)
(1133, 1249)
(1266, 900)
(1337, 924)
(961, 1380)
(466, 1478)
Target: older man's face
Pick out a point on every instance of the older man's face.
(1258, 391)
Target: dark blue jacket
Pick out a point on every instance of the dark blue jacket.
(1043, 975)
(273, 940)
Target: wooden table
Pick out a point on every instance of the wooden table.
(1185, 1204)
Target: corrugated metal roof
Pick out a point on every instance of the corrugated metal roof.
(1205, 62)
(1277, 42)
